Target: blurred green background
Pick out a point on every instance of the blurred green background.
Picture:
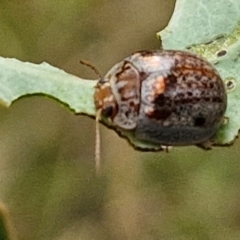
(47, 174)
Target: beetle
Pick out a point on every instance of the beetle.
(167, 97)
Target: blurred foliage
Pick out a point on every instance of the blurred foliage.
(6, 230)
(47, 171)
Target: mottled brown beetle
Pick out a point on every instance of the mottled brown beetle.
(165, 97)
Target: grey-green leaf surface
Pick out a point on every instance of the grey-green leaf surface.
(197, 21)
(18, 79)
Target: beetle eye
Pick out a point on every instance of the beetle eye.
(108, 111)
(102, 81)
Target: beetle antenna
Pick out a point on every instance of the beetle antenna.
(98, 116)
(88, 64)
(98, 144)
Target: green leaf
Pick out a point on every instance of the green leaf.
(18, 79)
(211, 30)
(198, 21)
